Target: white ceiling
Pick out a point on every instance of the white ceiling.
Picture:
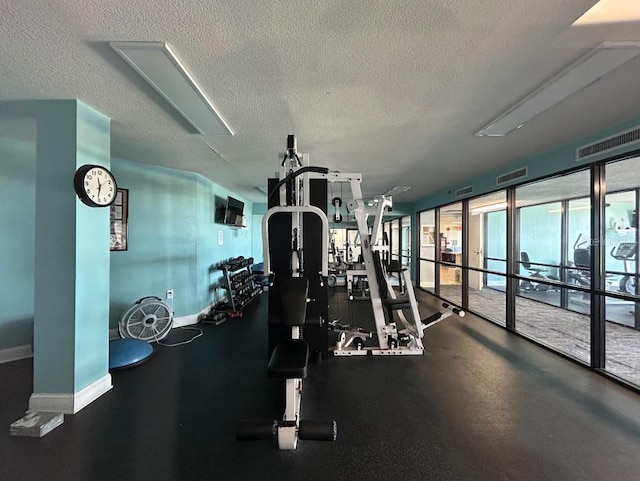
(393, 89)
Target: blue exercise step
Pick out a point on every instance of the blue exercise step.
(128, 352)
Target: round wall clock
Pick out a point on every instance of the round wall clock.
(95, 185)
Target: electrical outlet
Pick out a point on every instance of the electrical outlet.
(169, 293)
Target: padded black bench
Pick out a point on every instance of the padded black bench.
(290, 357)
(388, 302)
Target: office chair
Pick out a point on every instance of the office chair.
(526, 263)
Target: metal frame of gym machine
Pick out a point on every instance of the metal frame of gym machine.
(350, 341)
(289, 352)
(387, 333)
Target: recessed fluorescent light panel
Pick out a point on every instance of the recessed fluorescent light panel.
(398, 189)
(610, 11)
(597, 63)
(158, 65)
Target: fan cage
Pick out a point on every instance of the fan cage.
(149, 319)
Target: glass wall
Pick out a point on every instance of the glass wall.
(337, 246)
(395, 239)
(450, 242)
(386, 228)
(405, 247)
(488, 256)
(549, 282)
(428, 238)
(352, 246)
(622, 327)
(550, 214)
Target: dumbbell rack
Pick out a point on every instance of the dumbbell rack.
(239, 282)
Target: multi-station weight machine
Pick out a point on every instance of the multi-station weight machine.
(295, 249)
(385, 301)
(295, 233)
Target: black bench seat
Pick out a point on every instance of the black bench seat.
(289, 359)
(277, 321)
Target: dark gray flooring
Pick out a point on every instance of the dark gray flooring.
(481, 404)
(565, 330)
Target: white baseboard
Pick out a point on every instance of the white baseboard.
(185, 320)
(191, 319)
(70, 403)
(24, 352)
(15, 353)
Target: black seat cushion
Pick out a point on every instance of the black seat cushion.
(394, 266)
(289, 359)
(387, 301)
(293, 295)
(397, 304)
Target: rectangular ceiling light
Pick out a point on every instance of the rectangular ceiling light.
(158, 65)
(593, 66)
(398, 189)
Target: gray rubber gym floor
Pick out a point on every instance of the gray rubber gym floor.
(481, 404)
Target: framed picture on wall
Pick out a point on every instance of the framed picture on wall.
(118, 221)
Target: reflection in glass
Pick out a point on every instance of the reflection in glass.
(451, 283)
(488, 251)
(427, 275)
(450, 236)
(540, 236)
(428, 236)
(395, 239)
(405, 251)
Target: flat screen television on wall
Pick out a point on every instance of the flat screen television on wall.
(233, 212)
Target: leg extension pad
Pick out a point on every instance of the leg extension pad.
(318, 430)
(257, 429)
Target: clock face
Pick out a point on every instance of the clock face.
(95, 185)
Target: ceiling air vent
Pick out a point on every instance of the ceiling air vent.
(627, 137)
(464, 191)
(511, 176)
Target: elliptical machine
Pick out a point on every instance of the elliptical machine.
(581, 263)
(626, 252)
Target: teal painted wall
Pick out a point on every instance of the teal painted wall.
(17, 238)
(541, 235)
(173, 239)
(55, 249)
(71, 282)
(496, 246)
(256, 236)
(92, 256)
(235, 242)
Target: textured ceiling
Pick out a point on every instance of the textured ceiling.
(393, 89)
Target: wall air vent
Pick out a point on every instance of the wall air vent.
(511, 176)
(628, 137)
(464, 191)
